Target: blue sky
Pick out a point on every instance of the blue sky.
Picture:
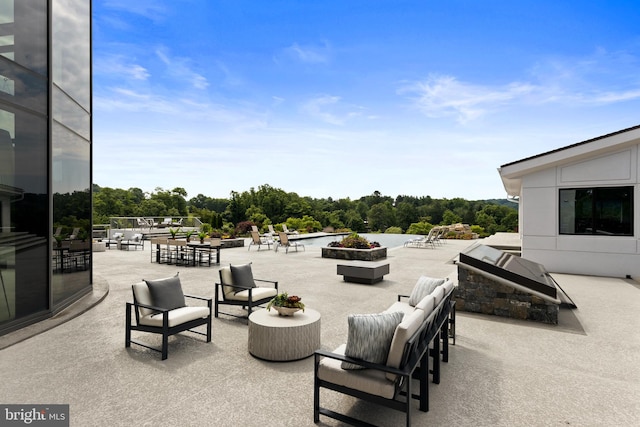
(344, 98)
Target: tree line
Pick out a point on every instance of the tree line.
(268, 205)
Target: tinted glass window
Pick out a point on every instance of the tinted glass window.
(71, 213)
(72, 49)
(599, 211)
(23, 214)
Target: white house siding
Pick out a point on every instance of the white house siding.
(616, 256)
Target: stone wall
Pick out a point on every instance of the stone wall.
(232, 243)
(355, 254)
(480, 294)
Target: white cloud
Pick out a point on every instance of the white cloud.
(309, 54)
(599, 79)
(117, 65)
(441, 96)
(151, 9)
(329, 109)
(180, 68)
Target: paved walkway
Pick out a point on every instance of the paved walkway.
(583, 372)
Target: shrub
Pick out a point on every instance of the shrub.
(393, 230)
(421, 227)
(355, 241)
(243, 227)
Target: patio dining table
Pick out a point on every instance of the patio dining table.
(195, 247)
(206, 246)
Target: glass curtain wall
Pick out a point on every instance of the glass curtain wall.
(45, 157)
(71, 148)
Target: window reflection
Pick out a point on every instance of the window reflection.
(72, 49)
(71, 255)
(23, 205)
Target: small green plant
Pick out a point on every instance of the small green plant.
(284, 300)
(174, 232)
(203, 235)
(188, 234)
(354, 241)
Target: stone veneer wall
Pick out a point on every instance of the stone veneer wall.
(232, 243)
(480, 294)
(355, 254)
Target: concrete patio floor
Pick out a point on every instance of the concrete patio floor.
(583, 372)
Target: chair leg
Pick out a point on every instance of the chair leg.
(127, 333)
(424, 384)
(165, 346)
(435, 356)
(209, 323)
(407, 407)
(216, 303)
(316, 392)
(444, 336)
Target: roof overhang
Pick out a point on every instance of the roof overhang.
(512, 173)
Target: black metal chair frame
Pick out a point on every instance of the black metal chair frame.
(164, 330)
(416, 355)
(249, 304)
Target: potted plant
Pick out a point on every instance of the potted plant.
(174, 232)
(189, 233)
(202, 235)
(286, 305)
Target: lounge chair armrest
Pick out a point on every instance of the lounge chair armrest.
(150, 307)
(198, 297)
(363, 363)
(275, 283)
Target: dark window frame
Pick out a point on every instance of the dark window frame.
(593, 203)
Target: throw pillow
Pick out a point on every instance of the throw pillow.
(166, 293)
(370, 336)
(424, 286)
(242, 277)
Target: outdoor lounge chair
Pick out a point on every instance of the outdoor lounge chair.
(136, 241)
(425, 241)
(238, 287)
(286, 243)
(144, 223)
(160, 308)
(74, 233)
(390, 383)
(359, 368)
(258, 240)
(286, 230)
(115, 238)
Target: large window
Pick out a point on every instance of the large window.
(606, 211)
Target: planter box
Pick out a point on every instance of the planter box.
(232, 243)
(355, 254)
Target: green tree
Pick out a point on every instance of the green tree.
(449, 217)
(406, 214)
(421, 227)
(381, 216)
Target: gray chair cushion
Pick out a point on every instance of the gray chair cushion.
(242, 276)
(166, 293)
(370, 336)
(423, 287)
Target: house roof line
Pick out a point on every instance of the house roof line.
(571, 146)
